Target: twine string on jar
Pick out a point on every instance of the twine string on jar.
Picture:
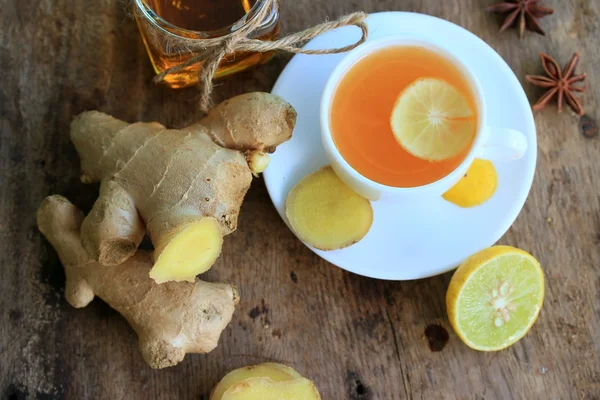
(210, 52)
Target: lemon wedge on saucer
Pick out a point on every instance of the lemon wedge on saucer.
(494, 297)
(433, 120)
(476, 187)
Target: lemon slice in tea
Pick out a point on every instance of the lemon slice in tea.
(433, 120)
(494, 297)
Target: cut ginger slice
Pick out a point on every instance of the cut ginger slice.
(327, 214)
(433, 120)
(189, 251)
(268, 389)
(274, 371)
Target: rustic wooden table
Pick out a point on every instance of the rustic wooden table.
(358, 338)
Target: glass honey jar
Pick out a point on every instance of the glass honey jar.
(167, 25)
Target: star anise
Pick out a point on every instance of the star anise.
(558, 82)
(528, 12)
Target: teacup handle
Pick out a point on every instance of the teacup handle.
(503, 144)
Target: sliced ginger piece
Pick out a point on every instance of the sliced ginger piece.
(267, 389)
(190, 250)
(327, 214)
(476, 187)
(274, 371)
(283, 368)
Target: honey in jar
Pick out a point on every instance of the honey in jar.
(164, 23)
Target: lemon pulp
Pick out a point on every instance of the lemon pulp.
(432, 120)
(495, 297)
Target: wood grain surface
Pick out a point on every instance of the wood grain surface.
(358, 338)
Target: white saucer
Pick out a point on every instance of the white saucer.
(433, 237)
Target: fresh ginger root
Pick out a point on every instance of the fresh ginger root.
(178, 185)
(265, 381)
(170, 319)
(327, 214)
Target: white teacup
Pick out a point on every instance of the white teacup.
(496, 144)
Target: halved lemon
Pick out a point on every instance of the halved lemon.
(494, 297)
(433, 120)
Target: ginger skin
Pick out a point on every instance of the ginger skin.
(160, 180)
(170, 319)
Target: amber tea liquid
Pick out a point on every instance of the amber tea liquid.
(198, 19)
(362, 106)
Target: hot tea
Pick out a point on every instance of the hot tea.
(404, 116)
